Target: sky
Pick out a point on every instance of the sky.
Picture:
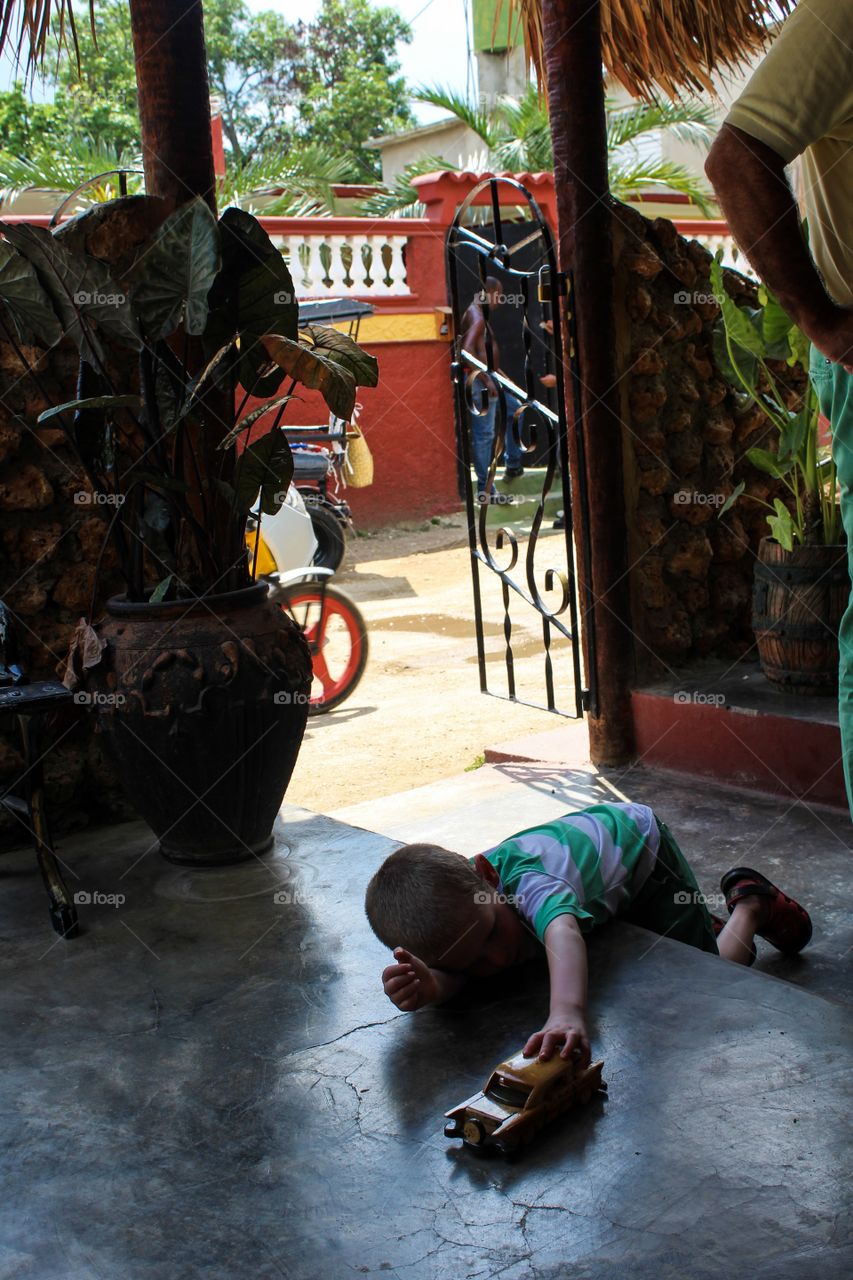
(437, 54)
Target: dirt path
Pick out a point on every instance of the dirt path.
(418, 713)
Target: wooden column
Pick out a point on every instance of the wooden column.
(578, 130)
(174, 99)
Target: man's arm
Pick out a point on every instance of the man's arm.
(567, 968)
(749, 179)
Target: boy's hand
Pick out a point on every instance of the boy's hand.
(566, 1029)
(410, 983)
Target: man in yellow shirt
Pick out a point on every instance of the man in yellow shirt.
(799, 102)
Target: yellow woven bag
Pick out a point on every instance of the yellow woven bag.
(358, 464)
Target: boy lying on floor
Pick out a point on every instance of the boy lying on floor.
(446, 917)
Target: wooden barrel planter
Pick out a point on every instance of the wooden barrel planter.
(798, 599)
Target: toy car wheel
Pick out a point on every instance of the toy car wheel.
(473, 1133)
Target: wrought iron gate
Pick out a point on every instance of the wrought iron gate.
(523, 320)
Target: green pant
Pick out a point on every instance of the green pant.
(834, 387)
(670, 902)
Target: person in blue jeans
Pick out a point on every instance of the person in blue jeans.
(476, 333)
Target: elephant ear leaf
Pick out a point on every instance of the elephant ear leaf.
(781, 525)
(776, 325)
(25, 300)
(739, 325)
(265, 466)
(341, 348)
(315, 370)
(174, 272)
(253, 295)
(89, 303)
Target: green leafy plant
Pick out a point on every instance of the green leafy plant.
(746, 339)
(174, 342)
(516, 135)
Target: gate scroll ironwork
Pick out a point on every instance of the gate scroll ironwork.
(517, 252)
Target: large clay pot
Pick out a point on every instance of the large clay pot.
(204, 706)
(798, 599)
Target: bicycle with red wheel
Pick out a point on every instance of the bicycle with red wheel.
(335, 630)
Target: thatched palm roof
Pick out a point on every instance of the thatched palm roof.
(28, 25)
(668, 46)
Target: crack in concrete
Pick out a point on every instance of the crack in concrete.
(364, 1026)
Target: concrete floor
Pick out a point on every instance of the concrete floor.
(209, 1082)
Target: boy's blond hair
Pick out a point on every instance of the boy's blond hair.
(422, 898)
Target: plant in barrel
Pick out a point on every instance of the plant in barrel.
(186, 338)
(801, 579)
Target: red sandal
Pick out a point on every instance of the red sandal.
(788, 926)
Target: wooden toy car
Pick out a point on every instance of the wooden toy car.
(519, 1098)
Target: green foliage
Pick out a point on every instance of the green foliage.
(349, 78)
(745, 339)
(181, 494)
(301, 95)
(516, 135)
(65, 166)
(266, 466)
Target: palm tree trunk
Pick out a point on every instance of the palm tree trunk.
(578, 129)
(177, 149)
(174, 99)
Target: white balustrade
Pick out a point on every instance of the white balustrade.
(340, 266)
(732, 256)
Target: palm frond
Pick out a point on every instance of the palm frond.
(524, 134)
(454, 104)
(400, 198)
(303, 179)
(626, 178)
(689, 122)
(36, 22)
(66, 168)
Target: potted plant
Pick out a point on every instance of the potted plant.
(202, 683)
(801, 583)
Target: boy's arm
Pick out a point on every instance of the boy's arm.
(410, 984)
(566, 1023)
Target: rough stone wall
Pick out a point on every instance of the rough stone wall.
(49, 546)
(51, 535)
(685, 445)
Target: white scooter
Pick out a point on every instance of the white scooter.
(280, 553)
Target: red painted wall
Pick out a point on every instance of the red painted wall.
(408, 420)
(408, 423)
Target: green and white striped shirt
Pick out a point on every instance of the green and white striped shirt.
(589, 864)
